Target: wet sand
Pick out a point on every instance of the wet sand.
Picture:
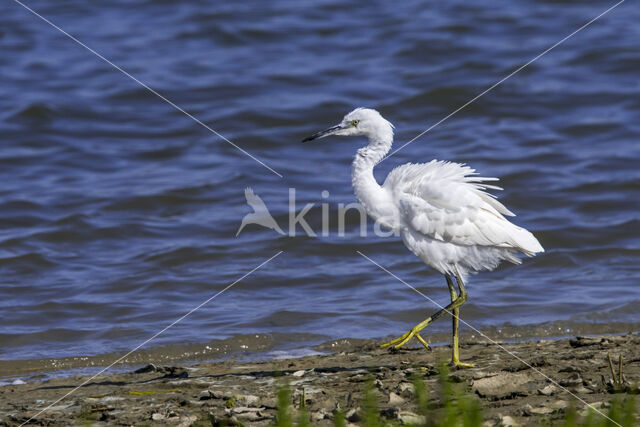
(509, 391)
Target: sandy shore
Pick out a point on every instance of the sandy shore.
(508, 390)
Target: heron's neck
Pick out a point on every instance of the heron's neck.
(367, 190)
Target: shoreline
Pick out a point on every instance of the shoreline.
(264, 347)
(246, 391)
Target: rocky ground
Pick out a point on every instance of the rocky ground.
(556, 374)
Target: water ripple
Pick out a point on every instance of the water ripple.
(118, 214)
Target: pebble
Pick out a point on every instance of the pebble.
(407, 417)
(528, 410)
(352, 415)
(508, 421)
(205, 395)
(187, 421)
(559, 404)
(395, 399)
(406, 390)
(582, 390)
(547, 390)
(572, 380)
(149, 368)
(391, 413)
(247, 399)
(299, 373)
(501, 385)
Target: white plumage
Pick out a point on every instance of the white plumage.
(448, 218)
(442, 210)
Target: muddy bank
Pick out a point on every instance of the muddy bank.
(508, 390)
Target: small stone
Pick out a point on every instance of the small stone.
(407, 417)
(247, 399)
(216, 394)
(222, 421)
(174, 372)
(269, 403)
(391, 413)
(395, 399)
(157, 416)
(541, 411)
(205, 395)
(572, 380)
(406, 390)
(559, 404)
(352, 415)
(299, 373)
(378, 384)
(582, 390)
(244, 409)
(547, 390)
(501, 385)
(585, 341)
(149, 368)
(187, 421)
(591, 384)
(478, 375)
(250, 416)
(508, 421)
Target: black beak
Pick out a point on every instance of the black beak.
(322, 133)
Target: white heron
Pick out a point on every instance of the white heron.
(442, 211)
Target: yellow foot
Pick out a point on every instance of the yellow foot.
(459, 364)
(405, 338)
(392, 342)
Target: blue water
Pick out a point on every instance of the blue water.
(118, 213)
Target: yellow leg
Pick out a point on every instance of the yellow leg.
(455, 355)
(405, 338)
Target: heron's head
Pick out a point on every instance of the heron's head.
(361, 121)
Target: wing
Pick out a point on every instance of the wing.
(253, 199)
(448, 202)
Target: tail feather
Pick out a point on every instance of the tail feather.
(526, 242)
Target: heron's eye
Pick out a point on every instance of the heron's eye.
(355, 122)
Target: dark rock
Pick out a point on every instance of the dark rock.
(391, 413)
(572, 380)
(149, 368)
(206, 395)
(174, 372)
(352, 415)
